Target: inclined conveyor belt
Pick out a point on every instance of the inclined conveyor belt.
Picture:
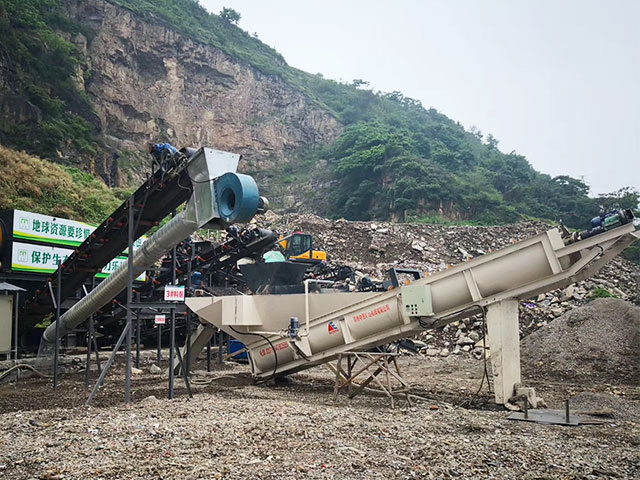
(156, 198)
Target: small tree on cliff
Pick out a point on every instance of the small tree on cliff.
(230, 15)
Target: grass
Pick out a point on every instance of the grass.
(602, 293)
(36, 185)
(441, 220)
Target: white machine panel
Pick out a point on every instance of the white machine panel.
(6, 322)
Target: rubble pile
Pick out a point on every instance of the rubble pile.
(372, 248)
(596, 342)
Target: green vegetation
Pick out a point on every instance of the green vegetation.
(602, 293)
(45, 64)
(36, 185)
(230, 15)
(428, 165)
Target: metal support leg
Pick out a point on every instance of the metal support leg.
(187, 362)
(95, 339)
(349, 367)
(504, 347)
(56, 352)
(138, 332)
(219, 340)
(172, 335)
(159, 354)
(90, 342)
(184, 371)
(89, 345)
(95, 349)
(15, 327)
(209, 355)
(112, 357)
(127, 374)
(336, 387)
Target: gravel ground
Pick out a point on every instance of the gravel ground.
(233, 429)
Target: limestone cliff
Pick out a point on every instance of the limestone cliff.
(147, 82)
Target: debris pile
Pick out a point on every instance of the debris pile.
(599, 342)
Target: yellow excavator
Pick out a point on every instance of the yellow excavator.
(298, 247)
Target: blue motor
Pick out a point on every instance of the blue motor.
(294, 327)
(603, 223)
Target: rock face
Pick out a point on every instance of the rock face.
(15, 107)
(148, 82)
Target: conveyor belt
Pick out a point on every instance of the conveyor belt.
(220, 256)
(161, 194)
(334, 323)
(247, 243)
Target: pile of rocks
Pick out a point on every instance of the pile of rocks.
(372, 248)
(596, 342)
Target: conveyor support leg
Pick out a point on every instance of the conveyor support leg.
(504, 347)
(198, 341)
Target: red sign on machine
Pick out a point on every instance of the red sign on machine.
(160, 320)
(173, 293)
(372, 313)
(278, 347)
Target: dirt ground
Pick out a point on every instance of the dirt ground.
(234, 429)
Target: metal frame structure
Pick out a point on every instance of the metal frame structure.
(371, 364)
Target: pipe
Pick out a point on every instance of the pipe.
(180, 227)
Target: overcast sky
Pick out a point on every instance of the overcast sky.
(555, 80)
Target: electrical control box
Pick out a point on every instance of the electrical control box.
(416, 300)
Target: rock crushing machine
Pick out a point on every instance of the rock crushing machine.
(289, 333)
(220, 197)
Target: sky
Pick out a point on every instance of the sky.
(555, 80)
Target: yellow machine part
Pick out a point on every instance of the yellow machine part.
(311, 255)
(316, 255)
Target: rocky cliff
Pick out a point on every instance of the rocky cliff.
(148, 82)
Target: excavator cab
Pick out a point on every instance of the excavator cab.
(298, 247)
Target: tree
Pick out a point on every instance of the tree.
(475, 131)
(360, 83)
(230, 15)
(626, 197)
(492, 142)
